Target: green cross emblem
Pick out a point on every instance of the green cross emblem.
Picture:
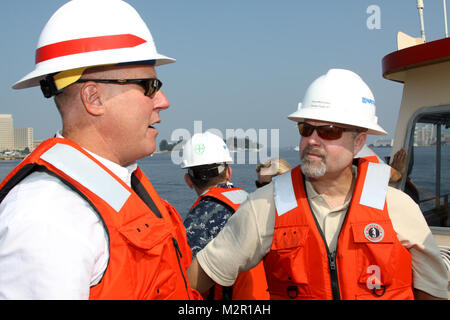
(199, 148)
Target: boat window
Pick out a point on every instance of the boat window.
(428, 171)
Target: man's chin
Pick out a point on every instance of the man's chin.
(313, 171)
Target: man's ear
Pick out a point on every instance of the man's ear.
(90, 96)
(229, 171)
(359, 142)
(188, 181)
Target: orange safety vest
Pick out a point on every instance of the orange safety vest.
(369, 262)
(148, 251)
(249, 285)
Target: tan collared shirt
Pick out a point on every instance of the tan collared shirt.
(247, 237)
(330, 220)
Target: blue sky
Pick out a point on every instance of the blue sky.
(240, 64)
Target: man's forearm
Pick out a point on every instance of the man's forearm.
(422, 295)
(198, 279)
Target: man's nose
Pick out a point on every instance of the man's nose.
(313, 139)
(160, 100)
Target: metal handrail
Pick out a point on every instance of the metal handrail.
(433, 198)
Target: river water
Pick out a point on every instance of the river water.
(168, 180)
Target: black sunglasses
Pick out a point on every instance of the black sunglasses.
(150, 85)
(327, 132)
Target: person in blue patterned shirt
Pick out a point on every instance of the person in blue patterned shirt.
(205, 220)
(206, 158)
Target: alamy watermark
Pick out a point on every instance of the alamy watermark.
(374, 19)
(237, 141)
(374, 280)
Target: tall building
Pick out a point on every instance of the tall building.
(424, 135)
(23, 138)
(6, 132)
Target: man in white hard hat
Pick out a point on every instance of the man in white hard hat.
(78, 218)
(206, 158)
(328, 229)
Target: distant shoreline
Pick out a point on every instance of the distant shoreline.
(235, 150)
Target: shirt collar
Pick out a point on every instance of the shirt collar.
(226, 185)
(124, 173)
(312, 194)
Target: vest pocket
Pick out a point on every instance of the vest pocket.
(289, 251)
(150, 244)
(375, 259)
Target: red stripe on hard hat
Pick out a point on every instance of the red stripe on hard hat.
(70, 47)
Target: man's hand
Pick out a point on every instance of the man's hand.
(398, 165)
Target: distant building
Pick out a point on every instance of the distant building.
(446, 139)
(36, 143)
(23, 138)
(424, 135)
(383, 143)
(6, 132)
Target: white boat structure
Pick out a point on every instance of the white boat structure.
(424, 69)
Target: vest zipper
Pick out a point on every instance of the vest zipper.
(332, 263)
(179, 256)
(333, 274)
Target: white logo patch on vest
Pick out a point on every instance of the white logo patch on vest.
(374, 232)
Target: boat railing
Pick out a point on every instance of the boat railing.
(440, 210)
(437, 199)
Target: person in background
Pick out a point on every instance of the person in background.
(78, 218)
(206, 158)
(398, 166)
(328, 229)
(269, 169)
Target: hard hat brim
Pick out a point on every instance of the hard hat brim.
(192, 165)
(33, 78)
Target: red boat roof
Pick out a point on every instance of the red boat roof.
(415, 56)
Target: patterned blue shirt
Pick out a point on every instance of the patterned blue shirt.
(205, 220)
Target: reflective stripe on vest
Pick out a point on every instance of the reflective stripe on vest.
(82, 169)
(375, 185)
(284, 195)
(232, 197)
(236, 196)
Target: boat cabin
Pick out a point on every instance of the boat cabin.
(423, 129)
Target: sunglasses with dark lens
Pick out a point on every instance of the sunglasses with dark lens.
(150, 85)
(327, 132)
(260, 184)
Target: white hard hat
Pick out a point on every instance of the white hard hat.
(205, 148)
(340, 96)
(84, 33)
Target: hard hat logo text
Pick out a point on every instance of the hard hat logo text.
(367, 100)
